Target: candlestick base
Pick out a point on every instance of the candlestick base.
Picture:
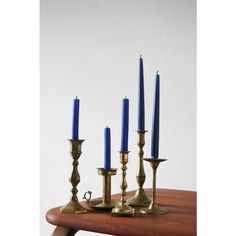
(139, 199)
(73, 207)
(157, 211)
(105, 205)
(153, 207)
(123, 210)
(98, 204)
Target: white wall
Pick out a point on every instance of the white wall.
(91, 49)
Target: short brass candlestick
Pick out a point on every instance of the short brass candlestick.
(140, 198)
(123, 209)
(73, 205)
(106, 198)
(153, 207)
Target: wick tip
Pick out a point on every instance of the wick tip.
(76, 97)
(140, 56)
(157, 72)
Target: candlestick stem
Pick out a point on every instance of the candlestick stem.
(140, 198)
(73, 206)
(123, 209)
(154, 202)
(153, 207)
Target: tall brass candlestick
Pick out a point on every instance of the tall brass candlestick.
(153, 207)
(123, 209)
(107, 203)
(140, 198)
(73, 205)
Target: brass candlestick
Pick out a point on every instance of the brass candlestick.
(153, 207)
(73, 205)
(123, 209)
(140, 198)
(107, 203)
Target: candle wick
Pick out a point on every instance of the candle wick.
(76, 97)
(140, 56)
(157, 71)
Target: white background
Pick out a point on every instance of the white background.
(91, 49)
(19, 101)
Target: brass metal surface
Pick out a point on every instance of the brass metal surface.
(94, 203)
(140, 198)
(153, 207)
(107, 202)
(123, 209)
(73, 205)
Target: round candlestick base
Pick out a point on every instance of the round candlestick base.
(73, 207)
(139, 199)
(104, 205)
(123, 210)
(154, 210)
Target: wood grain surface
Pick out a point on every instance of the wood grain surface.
(179, 221)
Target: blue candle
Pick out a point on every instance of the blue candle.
(141, 106)
(107, 148)
(125, 125)
(155, 119)
(75, 124)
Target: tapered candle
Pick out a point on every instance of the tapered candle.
(155, 119)
(125, 125)
(107, 148)
(141, 106)
(75, 123)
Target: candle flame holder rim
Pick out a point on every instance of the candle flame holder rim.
(125, 152)
(111, 171)
(141, 131)
(79, 140)
(158, 160)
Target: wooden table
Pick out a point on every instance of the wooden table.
(179, 221)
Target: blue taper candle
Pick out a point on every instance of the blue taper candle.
(75, 124)
(125, 125)
(107, 148)
(155, 119)
(141, 106)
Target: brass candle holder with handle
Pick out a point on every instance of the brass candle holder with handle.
(140, 198)
(122, 209)
(107, 202)
(153, 207)
(73, 206)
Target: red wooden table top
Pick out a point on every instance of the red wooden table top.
(179, 221)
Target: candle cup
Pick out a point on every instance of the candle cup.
(140, 198)
(123, 209)
(73, 206)
(153, 207)
(107, 202)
